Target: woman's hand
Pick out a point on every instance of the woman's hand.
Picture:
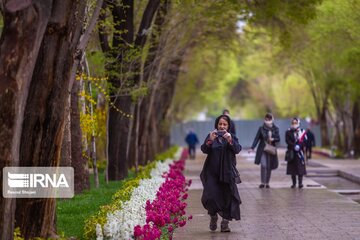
(228, 137)
(213, 135)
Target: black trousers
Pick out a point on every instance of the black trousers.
(192, 151)
(293, 177)
(308, 152)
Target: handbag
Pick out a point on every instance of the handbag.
(270, 149)
(236, 175)
(289, 155)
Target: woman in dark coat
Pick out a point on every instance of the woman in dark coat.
(296, 140)
(269, 133)
(220, 195)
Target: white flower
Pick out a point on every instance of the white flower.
(99, 234)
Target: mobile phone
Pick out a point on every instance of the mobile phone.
(220, 133)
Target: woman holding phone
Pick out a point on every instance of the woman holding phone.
(220, 195)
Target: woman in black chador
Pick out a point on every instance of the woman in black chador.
(220, 195)
(296, 140)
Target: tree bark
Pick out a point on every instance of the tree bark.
(356, 126)
(67, 143)
(323, 127)
(119, 122)
(24, 28)
(45, 110)
(79, 162)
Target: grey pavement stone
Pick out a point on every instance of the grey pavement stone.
(275, 213)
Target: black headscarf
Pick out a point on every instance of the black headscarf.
(227, 119)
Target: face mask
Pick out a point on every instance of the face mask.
(268, 123)
(295, 126)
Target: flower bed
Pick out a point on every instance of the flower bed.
(137, 202)
(167, 211)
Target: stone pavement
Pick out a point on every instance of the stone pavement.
(276, 213)
(349, 169)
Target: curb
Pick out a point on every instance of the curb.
(349, 176)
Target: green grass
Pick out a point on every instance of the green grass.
(71, 213)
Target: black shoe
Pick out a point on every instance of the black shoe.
(293, 186)
(213, 222)
(267, 186)
(261, 185)
(225, 226)
(301, 186)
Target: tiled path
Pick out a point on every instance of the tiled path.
(277, 213)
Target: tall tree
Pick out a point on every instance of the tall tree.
(24, 26)
(123, 69)
(41, 138)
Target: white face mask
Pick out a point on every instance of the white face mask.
(295, 126)
(268, 123)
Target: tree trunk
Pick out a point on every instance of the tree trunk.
(121, 126)
(151, 66)
(120, 107)
(92, 141)
(67, 143)
(19, 45)
(79, 162)
(323, 127)
(348, 127)
(164, 102)
(356, 127)
(92, 148)
(45, 110)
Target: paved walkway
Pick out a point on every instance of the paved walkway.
(277, 213)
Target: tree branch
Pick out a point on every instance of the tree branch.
(146, 21)
(85, 38)
(103, 36)
(83, 42)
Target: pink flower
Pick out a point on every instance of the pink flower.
(137, 231)
(168, 208)
(182, 223)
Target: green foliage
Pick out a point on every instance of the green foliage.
(17, 234)
(208, 84)
(223, 70)
(139, 92)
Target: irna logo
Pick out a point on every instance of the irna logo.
(38, 182)
(18, 180)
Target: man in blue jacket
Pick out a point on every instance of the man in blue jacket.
(191, 139)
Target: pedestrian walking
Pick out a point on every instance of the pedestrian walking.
(296, 141)
(310, 143)
(191, 139)
(232, 127)
(266, 155)
(218, 176)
